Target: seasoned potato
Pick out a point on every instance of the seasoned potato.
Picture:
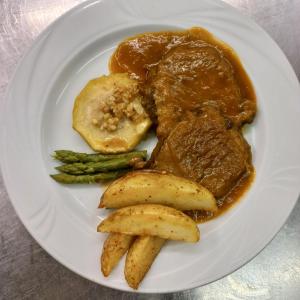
(152, 219)
(115, 246)
(140, 258)
(109, 115)
(141, 187)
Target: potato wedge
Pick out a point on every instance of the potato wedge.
(142, 187)
(140, 258)
(115, 246)
(152, 219)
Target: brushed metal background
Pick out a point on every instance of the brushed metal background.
(28, 272)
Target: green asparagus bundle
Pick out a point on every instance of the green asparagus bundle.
(90, 168)
(70, 179)
(68, 156)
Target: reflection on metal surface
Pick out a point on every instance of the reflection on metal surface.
(25, 267)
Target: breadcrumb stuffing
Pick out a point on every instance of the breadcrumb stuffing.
(124, 102)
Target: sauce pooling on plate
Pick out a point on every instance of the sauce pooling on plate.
(181, 73)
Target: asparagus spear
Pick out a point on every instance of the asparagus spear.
(69, 179)
(102, 166)
(67, 156)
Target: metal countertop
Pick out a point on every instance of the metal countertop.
(28, 272)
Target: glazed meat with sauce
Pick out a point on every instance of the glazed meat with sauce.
(193, 75)
(198, 96)
(181, 71)
(203, 149)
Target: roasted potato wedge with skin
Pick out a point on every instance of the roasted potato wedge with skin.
(141, 187)
(140, 258)
(115, 246)
(152, 219)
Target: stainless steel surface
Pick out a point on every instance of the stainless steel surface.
(28, 272)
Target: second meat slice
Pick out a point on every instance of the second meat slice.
(203, 149)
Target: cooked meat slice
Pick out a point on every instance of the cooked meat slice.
(194, 74)
(148, 102)
(203, 149)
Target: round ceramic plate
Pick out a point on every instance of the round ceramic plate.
(36, 120)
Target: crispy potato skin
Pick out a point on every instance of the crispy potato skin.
(115, 246)
(140, 258)
(154, 220)
(142, 187)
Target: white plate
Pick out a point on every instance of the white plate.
(36, 120)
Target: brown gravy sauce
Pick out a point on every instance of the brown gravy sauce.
(139, 55)
(226, 202)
